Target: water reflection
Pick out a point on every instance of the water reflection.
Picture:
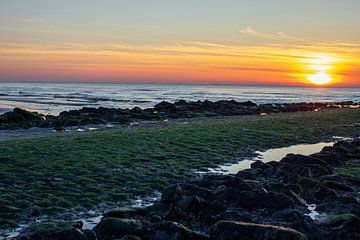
(275, 154)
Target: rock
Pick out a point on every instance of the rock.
(337, 186)
(238, 184)
(171, 194)
(344, 226)
(227, 230)
(173, 231)
(136, 110)
(52, 231)
(110, 228)
(323, 193)
(130, 237)
(120, 213)
(165, 107)
(259, 164)
(29, 116)
(90, 234)
(7, 224)
(248, 104)
(263, 199)
(14, 117)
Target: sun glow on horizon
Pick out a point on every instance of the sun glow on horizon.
(321, 69)
(320, 78)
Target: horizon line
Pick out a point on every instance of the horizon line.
(180, 83)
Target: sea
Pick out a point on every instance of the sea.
(53, 98)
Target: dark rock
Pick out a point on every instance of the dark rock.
(130, 237)
(227, 230)
(263, 199)
(173, 231)
(110, 228)
(165, 106)
(323, 193)
(259, 164)
(29, 116)
(136, 110)
(248, 104)
(337, 186)
(344, 226)
(171, 194)
(52, 231)
(14, 117)
(120, 213)
(90, 234)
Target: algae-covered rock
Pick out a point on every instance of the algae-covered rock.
(110, 228)
(173, 231)
(52, 231)
(227, 230)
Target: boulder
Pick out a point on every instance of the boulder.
(14, 117)
(110, 228)
(130, 237)
(165, 107)
(173, 231)
(263, 199)
(29, 116)
(228, 230)
(52, 231)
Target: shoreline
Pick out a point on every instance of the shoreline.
(23, 119)
(15, 133)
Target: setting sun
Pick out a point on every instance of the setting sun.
(320, 69)
(320, 78)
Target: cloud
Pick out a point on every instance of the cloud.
(280, 36)
(248, 30)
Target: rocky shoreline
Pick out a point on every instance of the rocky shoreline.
(300, 197)
(20, 118)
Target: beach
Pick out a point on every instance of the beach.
(73, 175)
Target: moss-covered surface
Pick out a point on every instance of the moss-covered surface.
(351, 169)
(340, 217)
(55, 173)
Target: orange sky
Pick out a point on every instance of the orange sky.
(192, 62)
(240, 42)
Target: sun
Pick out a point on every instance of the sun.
(319, 69)
(320, 78)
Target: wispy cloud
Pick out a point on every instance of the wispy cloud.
(280, 36)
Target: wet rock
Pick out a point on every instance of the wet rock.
(110, 228)
(259, 164)
(120, 213)
(323, 193)
(7, 224)
(238, 184)
(90, 234)
(173, 231)
(344, 226)
(171, 194)
(14, 117)
(263, 199)
(130, 237)
(29, 116)
(227, 230)
(337, 186)
(165, 106)
(52, 231)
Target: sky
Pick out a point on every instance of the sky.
(272, 42)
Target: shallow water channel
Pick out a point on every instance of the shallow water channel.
(275, 154)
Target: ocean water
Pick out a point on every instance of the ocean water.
(52, 98)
